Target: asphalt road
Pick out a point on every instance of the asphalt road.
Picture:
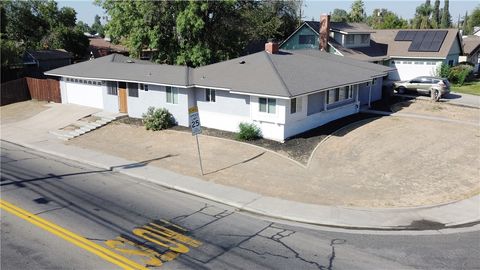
(165, 229)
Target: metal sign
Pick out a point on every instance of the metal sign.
(194, 120)
(196, 129)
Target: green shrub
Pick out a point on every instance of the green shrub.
(443, 71)
(248, 132)
(459, 74)
(157, 119)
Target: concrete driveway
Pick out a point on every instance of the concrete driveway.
(31, 121)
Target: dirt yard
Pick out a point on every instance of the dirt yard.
(387, 162)
(437, 109)
(21, 110)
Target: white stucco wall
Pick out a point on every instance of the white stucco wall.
(226, 113)
(84, 94)
(272, 124)
(315, 120)
(110, 102)
(156, 97)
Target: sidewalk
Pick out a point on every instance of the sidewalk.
(446, 215)
(30, 133)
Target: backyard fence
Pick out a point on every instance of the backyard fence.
(30, 88)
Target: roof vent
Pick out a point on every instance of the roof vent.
(241, 62)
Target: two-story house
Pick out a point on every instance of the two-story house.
(412, 52)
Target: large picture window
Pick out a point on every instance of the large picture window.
(339, 94)
(267, 105)
(172, 95)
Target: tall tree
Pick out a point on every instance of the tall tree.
(197, 32)
(339, 15)
(385, 19)
(436, 16)
(97, 26)
(422, 18)
(474, 18)
(466, 25)
(357, 13)
(446, 21)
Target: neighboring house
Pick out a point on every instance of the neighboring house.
(471, 49)
(412, 52)
(101, 47)
(283, 93)
(43, 60)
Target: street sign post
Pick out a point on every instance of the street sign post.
(196, 129)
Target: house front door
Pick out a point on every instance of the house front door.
(122, 98)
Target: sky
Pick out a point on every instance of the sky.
(86, 10)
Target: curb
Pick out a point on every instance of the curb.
(319, 215)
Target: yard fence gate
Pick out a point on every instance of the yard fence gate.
(30, 88)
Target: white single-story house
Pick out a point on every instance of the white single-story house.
(412, 52)
(283, 93)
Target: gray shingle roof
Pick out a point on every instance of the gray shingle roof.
(471, 44)
(122, 68)
(284, 74)
(50, 54)
(287, 74)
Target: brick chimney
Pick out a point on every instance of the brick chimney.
(271, 47)
(324, 32)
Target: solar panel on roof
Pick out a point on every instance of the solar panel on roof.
(427, 41)
(417, 41)
(411, 35)
(400, 36)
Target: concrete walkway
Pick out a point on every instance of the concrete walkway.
(36, 136)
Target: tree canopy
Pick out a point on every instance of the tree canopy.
(385, 19)
(357, 13)
(339, 15)
(197, 32)
(32, 25)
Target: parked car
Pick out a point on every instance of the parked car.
(424, 85)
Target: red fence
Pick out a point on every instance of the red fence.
(30, 88)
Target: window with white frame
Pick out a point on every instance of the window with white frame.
(295, 105)
(267, 105)
(172, 95)
(350, 39)
(143, 87)
(132, 89)
(209, 95)
(112, 88)
(339, 94)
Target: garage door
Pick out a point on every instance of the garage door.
(84, 94)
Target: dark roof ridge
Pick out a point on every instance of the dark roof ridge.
(278, 74)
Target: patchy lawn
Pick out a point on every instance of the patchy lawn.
(472, 88)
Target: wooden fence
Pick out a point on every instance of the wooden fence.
(44, 89)
(30, 88)
(14, 91)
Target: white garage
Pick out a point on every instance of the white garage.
(84, 92)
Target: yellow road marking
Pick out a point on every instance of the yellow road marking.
(73, 238)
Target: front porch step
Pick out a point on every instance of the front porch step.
(85, 127)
